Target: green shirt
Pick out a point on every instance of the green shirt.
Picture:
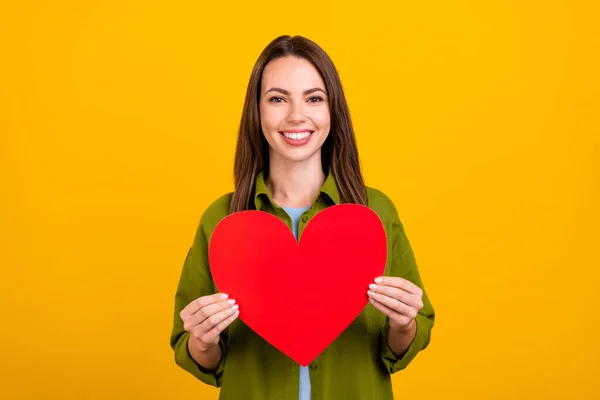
(357, 365)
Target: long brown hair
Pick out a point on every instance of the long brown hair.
(339, 153)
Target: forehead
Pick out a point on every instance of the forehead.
(291, 73)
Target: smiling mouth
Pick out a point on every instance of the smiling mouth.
(296, 135)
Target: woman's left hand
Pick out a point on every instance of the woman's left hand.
(397, 298)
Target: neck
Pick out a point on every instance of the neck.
(295, 184)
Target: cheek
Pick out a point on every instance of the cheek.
(322, 119)
(270, 119)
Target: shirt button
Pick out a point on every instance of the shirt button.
(304, 219)
(313, 366)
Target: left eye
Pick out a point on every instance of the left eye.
(315, 98)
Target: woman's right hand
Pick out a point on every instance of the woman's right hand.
(207, 316)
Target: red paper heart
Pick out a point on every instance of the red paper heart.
(299, 296)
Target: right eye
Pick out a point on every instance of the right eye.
(275, 99)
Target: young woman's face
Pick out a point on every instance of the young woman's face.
(294, 109)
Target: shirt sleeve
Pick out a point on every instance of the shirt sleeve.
(195, 281)
(403, 264)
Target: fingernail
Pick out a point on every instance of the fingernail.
(378, 280)
(372, 286)
(235, 307)
(224, 296)
(230, 301)
(235, 314)
(370, 293)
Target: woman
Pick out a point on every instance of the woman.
(296, 155)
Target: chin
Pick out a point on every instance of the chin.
(298, 155)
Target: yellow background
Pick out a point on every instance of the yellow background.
(117, 128)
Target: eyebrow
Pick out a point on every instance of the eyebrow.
(308, 91)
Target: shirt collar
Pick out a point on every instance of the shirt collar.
(261, 192)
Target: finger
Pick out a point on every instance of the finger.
(190, 321)
(203, 301)
(392, 315)
(399, 283)
(218, 317)
(399, 294)
(394, 304)
(214, 333)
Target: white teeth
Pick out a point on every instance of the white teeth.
(297, 135)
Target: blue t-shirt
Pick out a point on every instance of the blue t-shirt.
(295, 214)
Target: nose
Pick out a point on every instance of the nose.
(296, 113)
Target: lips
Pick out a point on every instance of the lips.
(301, 135)
(297, 137)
